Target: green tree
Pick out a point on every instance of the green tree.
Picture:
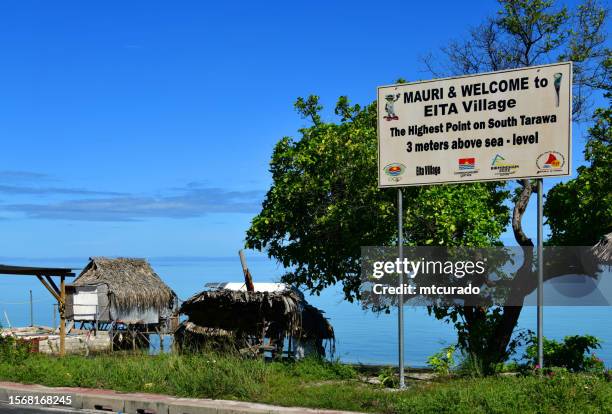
(579, 212)
(324, 203)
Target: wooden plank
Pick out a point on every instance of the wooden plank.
(55, 294)
(52, 283)
(34, 271)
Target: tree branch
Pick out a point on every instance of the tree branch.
(517, 214)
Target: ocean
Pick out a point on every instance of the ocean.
(361, 336)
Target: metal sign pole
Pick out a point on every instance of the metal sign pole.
(540, 293)
(400, 305)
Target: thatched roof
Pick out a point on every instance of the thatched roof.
(243, 311)
(315, 324)
(133, 283)
(191, 337)
(196, 329)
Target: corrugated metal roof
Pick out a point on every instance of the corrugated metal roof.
(259, 287)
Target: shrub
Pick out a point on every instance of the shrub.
(573, 353)
(443, 361)
(14, 350)
(388, 377)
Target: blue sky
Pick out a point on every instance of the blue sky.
(145, 128)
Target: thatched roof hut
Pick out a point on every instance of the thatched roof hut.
(132, 282)
(241, 310)
(123, 289)
(278, 314)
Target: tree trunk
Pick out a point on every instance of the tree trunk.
(495, 349)
(503, 331)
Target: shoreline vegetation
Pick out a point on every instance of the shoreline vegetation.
(312, 383)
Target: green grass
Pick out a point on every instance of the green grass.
(310, 383)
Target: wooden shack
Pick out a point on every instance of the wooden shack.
(121, 294)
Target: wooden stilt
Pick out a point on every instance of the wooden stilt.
(62, 312)
(161, 340)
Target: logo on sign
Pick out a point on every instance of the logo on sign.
(550, 161)
(390, 107)
(467, 163)
(502, 167)
(466, 167)
(395, 170)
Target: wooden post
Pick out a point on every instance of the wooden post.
(248, 279)
(31, 309)
(62, 312)
(54, 317)
(161, 340)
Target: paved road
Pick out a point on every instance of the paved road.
(15, 409)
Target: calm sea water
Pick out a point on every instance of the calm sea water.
(361, 336)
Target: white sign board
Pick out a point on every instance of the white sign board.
(493, 126)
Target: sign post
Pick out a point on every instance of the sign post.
(540, 291)
(507, 125)
(400, 304)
